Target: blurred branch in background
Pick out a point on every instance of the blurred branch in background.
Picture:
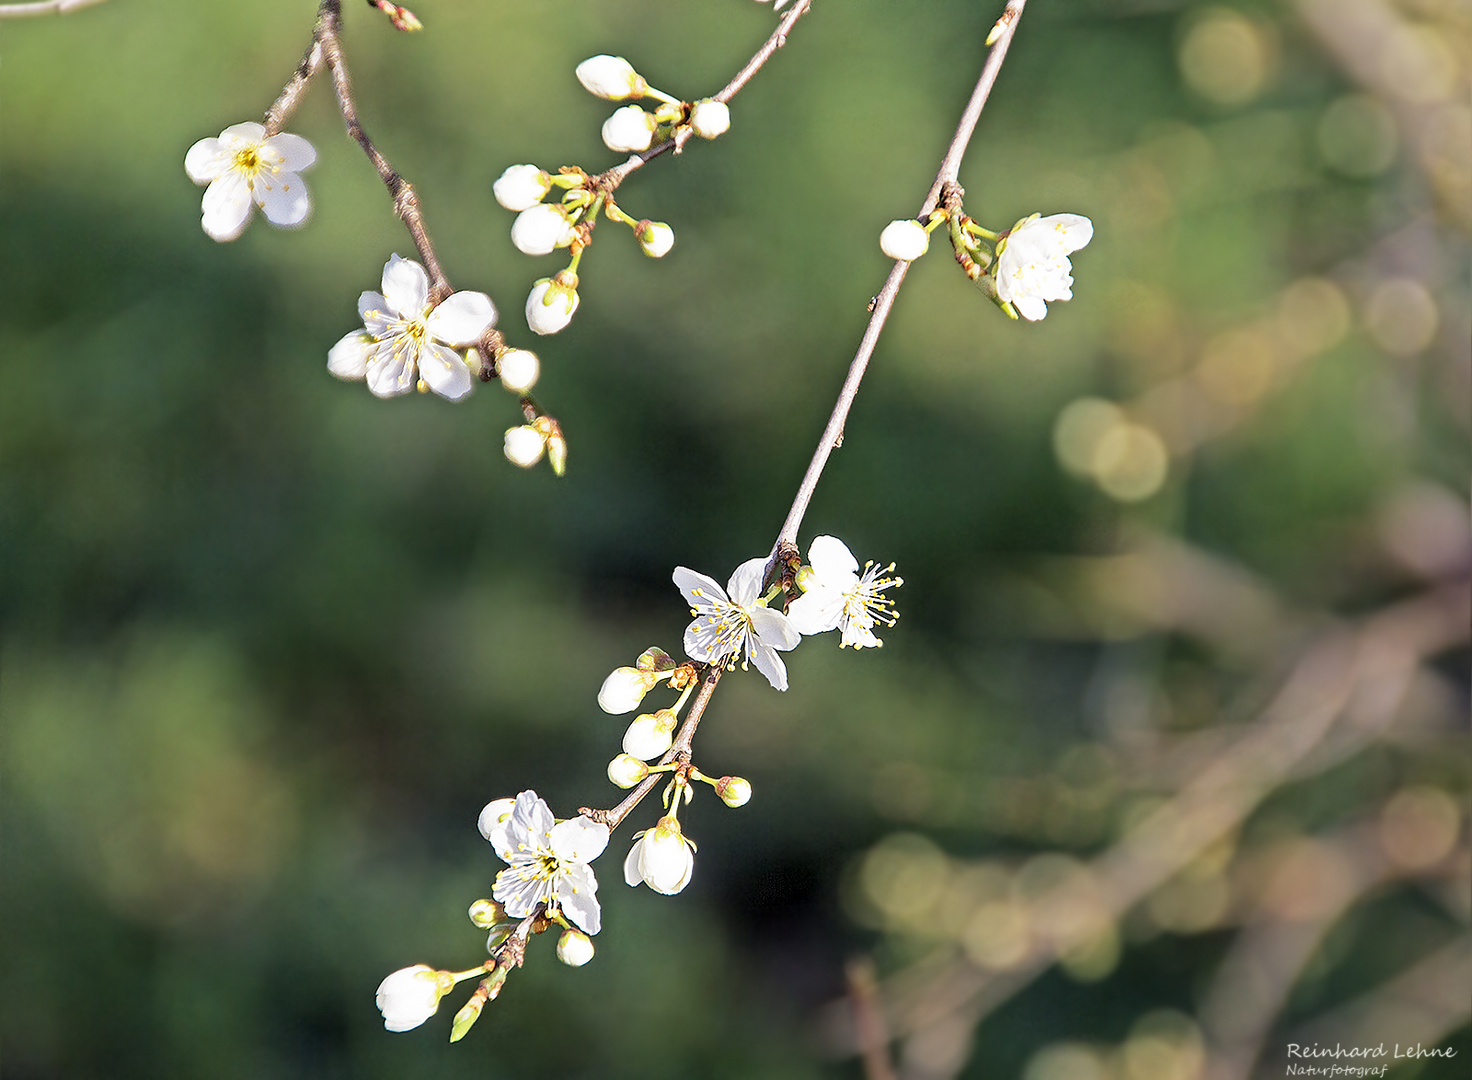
(43, 7)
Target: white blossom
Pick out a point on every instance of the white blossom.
(710, 118)
(838, 596)
(1032, 262)
(411, 995)
(405, 338)
(610, 77)
(661, 858)
(629, 130)
(243, 168)
(524, 445)
(655, 239)
(550, 305)
(493, 815)
(547, 862)
(730, 623)
(624, 688)
(521, 187)
(541, 229)
(518, 369)
(650, 735)
(906, 240)
(574, 948)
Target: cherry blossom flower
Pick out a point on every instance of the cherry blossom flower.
(1032, 262)
(839, 597)
(905, 240)
(243, 168)
(730, 622)
(547, 862)
(411, 995)
(405, 338)
(662, 858)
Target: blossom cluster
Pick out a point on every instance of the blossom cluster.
(1026, 268)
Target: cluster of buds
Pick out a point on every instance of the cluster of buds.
(1021, 269)
(526, 443)
(542, 227)
(632, 129)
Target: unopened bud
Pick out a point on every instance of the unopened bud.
(654, 659)
(498, 935)
(624, 688)
(541, 229)
(524, 446)
(610, 77)
(487, 913)
(709, 118)
(467, 1016)
(518, 369)
(655, 238)
(650, 735)
(629, 130)
(904, 240)
(551, 303)
(733, 790)
(521, 187)
(626, 770)
(574, 948)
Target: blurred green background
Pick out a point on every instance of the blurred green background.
(267, 644)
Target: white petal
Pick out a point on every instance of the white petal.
(817, 611)
(283, 198)
(373, 310)
(1070, 231)
(577, 895)
(462, 319)
(699, 590)
(746, 582)
(1031, 308)
(391, 371)
(239, 136)
(702, 638)
(631, 862)
(206, 160)
(533, 813)
(774, 629)
(445, 371)
(493, 814)
(226, 206)
(348, 359)
(770, 665)
(831, 558)
(295, 154)
(578, 839)
(405, 287)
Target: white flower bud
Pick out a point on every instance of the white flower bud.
(487, 913)
(410, 996)
(905, 240)
(524, 446)
(550, 306)
(494, 814)
(610, 77)
(498, 935)
(629, 130)
(624, 688)
(656, 238)
(518, 369)
(626, 770)
(733, 790)
(662, 858)
(650, 735)
(521, 187)
(541, 229)
(574, 948)
(709, 118)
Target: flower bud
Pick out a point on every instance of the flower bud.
(493, 815)
(624, 688)
(650, 735)
(551, 303)
(733, 790)
(655, 238)
(467, 1016)
(524, 446)
(498, 935)
(487, 913)
(662, 858)
(541, 229)
(574, 948)
(709, 118)
(521, 187)
(557, 452)
(904, 240)
(655, 659)
(629, 130)
(411, 995)
(518, 369)
(626, 770)
(610, 77)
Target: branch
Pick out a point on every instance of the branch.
(43, 7)
(946, 177)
